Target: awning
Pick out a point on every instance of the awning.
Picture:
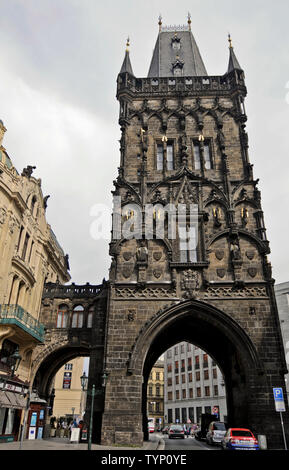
(12, 400)
(4, 400)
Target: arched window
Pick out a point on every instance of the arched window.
(90, 316)
(77, 317)
(62, 316)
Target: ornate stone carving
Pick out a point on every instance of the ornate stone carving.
(221, 272)
(252, 271)
(219, 254)
(190, 283)
(145, 293)
(228, 292)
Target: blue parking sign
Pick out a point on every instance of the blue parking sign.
(278, 394)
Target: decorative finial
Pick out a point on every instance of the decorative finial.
(160, 22)
(189, 20)
(127, 44)
(230, 41)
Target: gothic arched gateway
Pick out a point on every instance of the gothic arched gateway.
(184, 156)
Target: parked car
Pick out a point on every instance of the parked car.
(239, 439)
(216, 432)
(176, 430)
(165, 429)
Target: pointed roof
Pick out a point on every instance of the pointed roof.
(126, 65)
(176, 47)
(233, 61)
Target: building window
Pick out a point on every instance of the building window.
(169, 155)
(189, 363)
(198, 376)
(214, 373)
(169, 354)
(205, 360)
(160, 157)
(158, 391)
(177, 380)
(169, 367)
(190, 377)
(150, 391)
(207, 391)
(208, 162)
(191, 393)
(62, 316)
(188, 241)
(183, 378)
(170, 381)
(24, 250)
(199, 392)
(170, 396)
(77, 317)
(68, 366)
(157, 376)
(206, 374)
(177, 394)
(183, 365)
(176, 350)
(216, 390)
(197, 362)
(176, 367)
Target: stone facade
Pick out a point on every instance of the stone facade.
(184, 141)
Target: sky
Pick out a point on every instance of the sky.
(59, 61)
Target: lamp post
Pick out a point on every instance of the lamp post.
(84, 386)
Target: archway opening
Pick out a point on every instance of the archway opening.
(184, 384)
(57, 395)
(219, 337)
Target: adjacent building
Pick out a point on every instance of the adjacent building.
(29, 256)
(194, 385)
(69, 398)
(282, 299)
(155, 394)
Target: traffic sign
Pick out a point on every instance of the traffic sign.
(279, 399)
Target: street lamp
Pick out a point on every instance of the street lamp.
(84, 386)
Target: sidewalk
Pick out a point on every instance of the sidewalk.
(55, 443)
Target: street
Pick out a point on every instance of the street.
(189, 443)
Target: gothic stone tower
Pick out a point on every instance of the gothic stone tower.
(183, 142)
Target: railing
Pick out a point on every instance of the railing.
(72, 290)
(14, 314)
(168, 85)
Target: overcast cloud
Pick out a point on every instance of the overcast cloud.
(59, 61)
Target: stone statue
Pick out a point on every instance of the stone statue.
(142, 253)
(28, 171)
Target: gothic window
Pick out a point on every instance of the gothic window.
(160, 157)
(188, 240)
(77, 317)
(208, 161)
(90, 316)
(197, 156)
(169, 155)
(62, 316)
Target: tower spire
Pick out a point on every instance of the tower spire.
(233, 61)
(126, 65)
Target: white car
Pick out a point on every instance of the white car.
(216, 433)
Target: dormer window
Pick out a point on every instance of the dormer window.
(178, 66)
(176, 42)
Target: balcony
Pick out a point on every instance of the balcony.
(16, 315)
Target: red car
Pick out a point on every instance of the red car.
(239, 439)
